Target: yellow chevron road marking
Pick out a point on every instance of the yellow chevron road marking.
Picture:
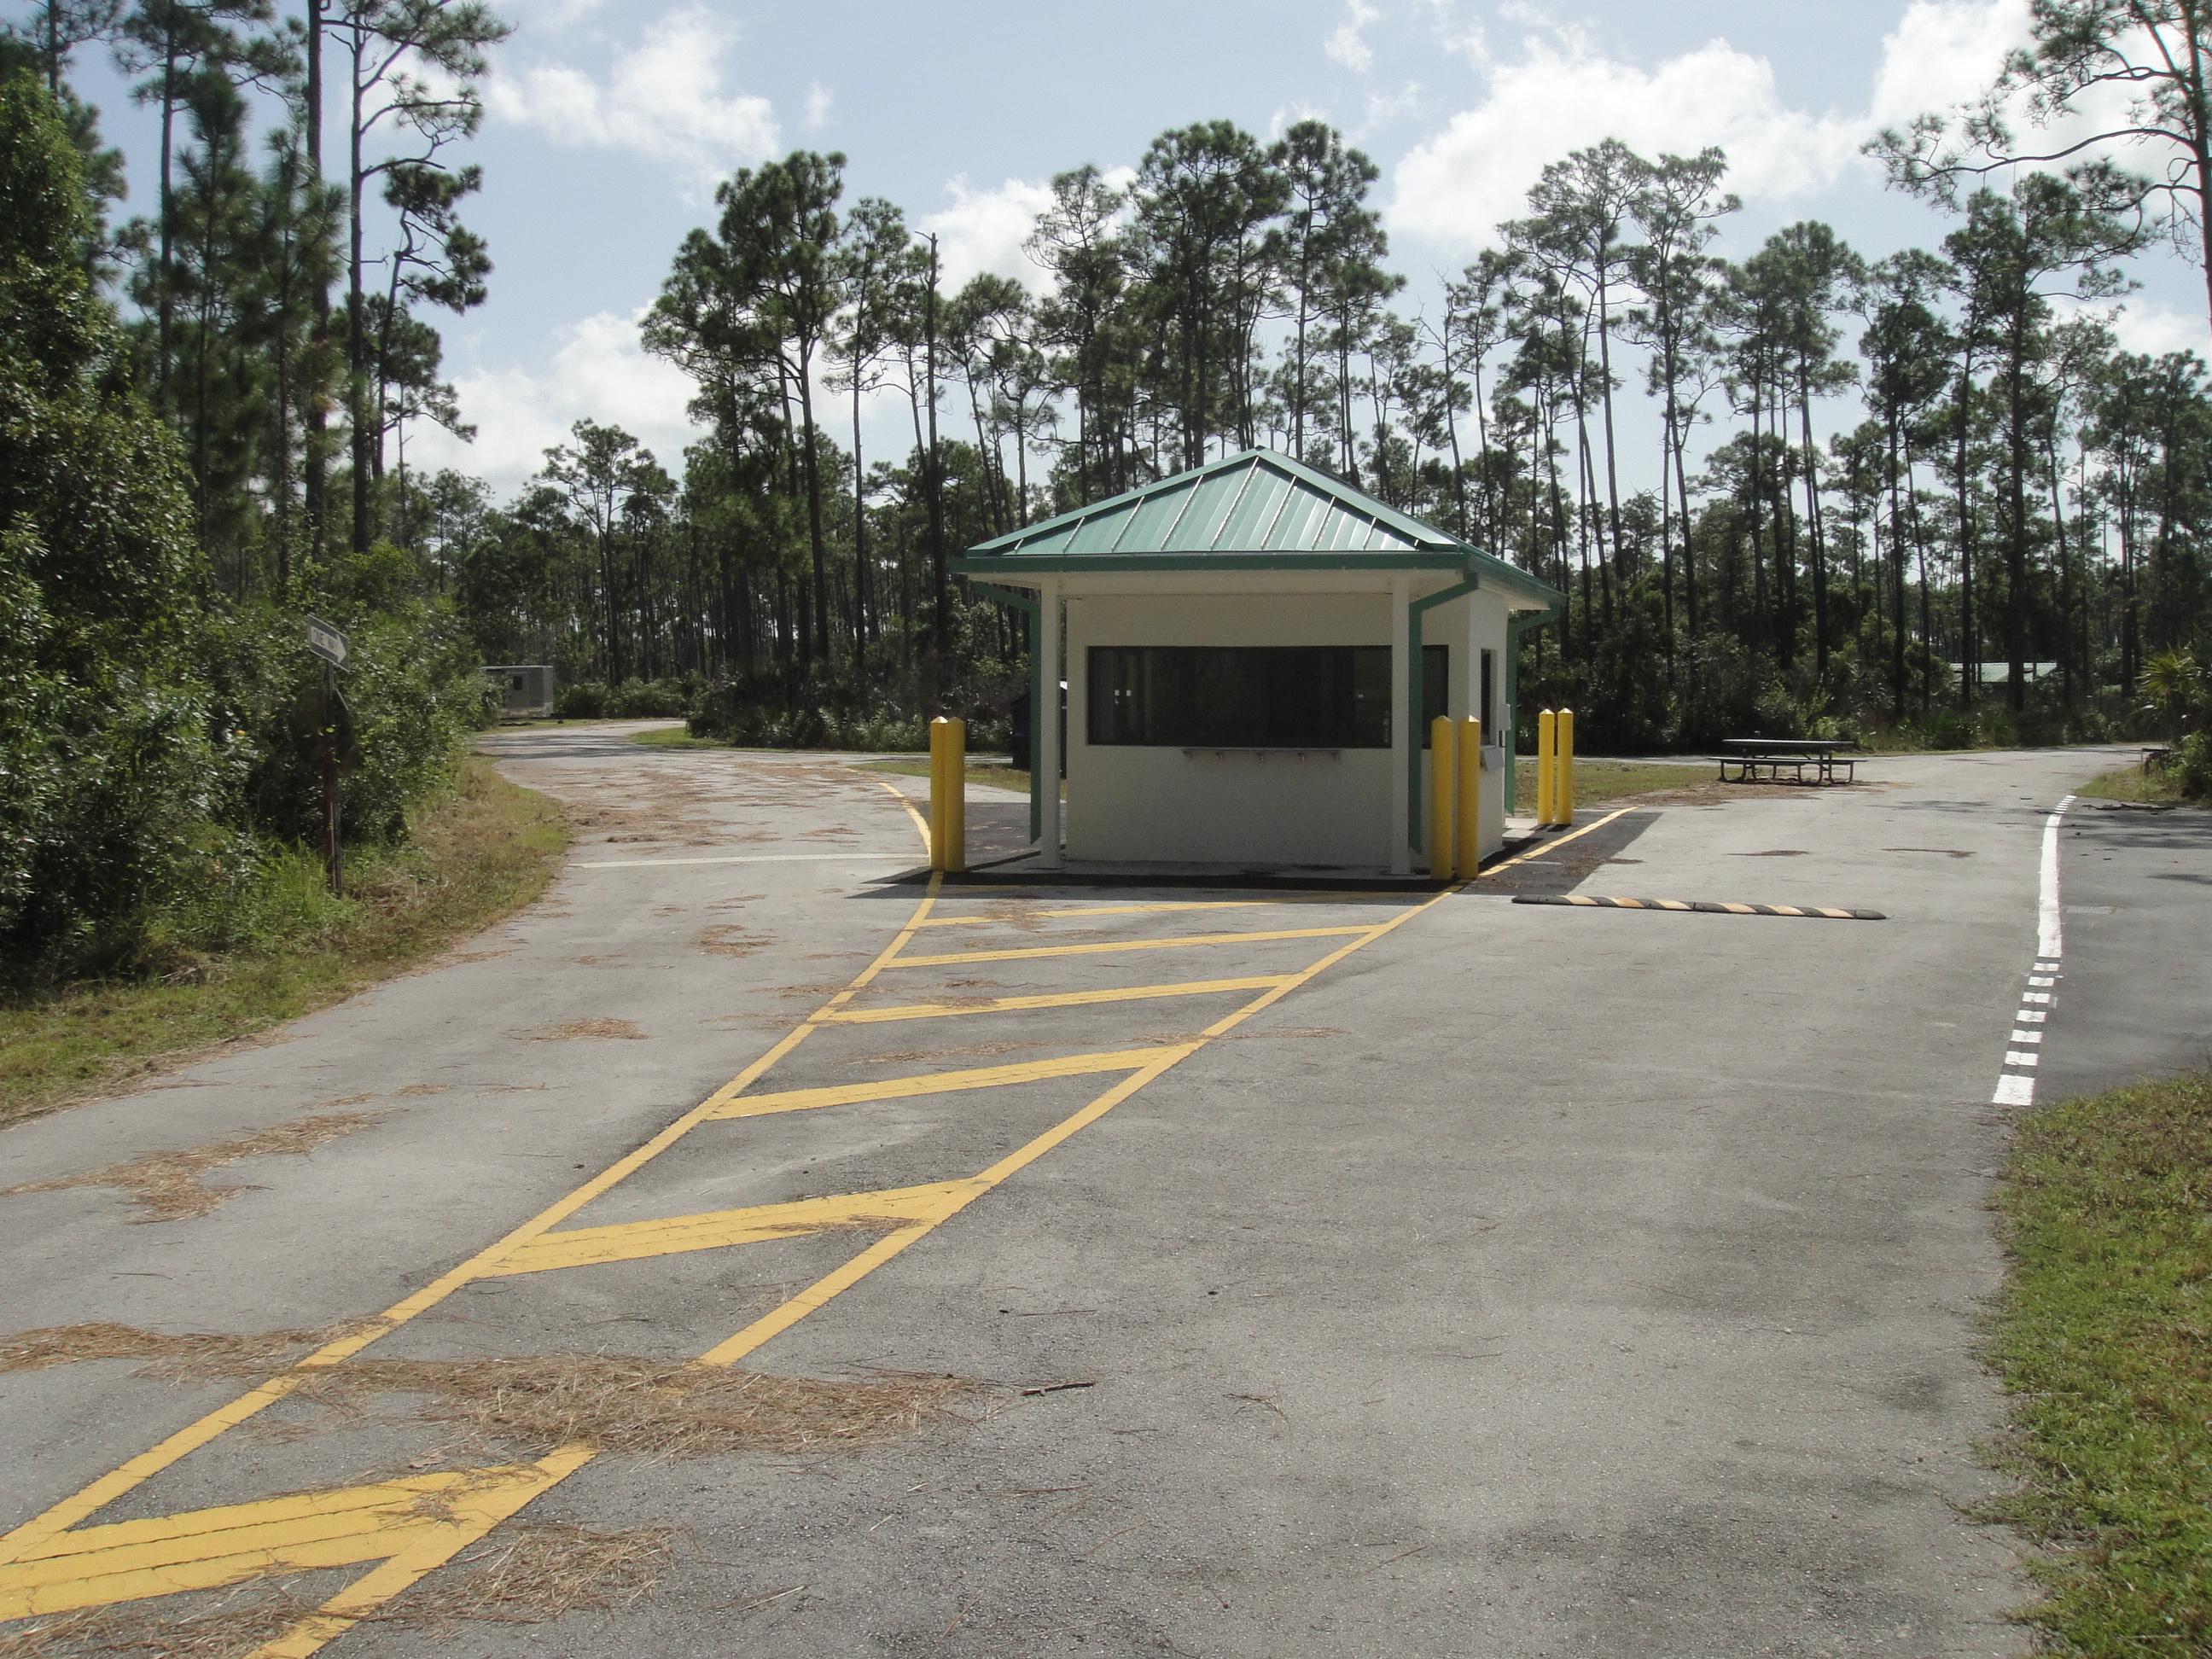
(413, 1528)
(715, 1229)
(941, 1083)
(470, 1514)
(1188, 987)
(961, 959)
(207, 1549)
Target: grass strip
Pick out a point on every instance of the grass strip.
(675, 736)
(483, 849)
(2103, 1338)
(2151, 785)
(1599, 781)
(986, 774)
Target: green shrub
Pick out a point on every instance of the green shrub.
(633, 700)
(2192, 762)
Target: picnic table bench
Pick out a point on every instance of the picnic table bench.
(1749, 756)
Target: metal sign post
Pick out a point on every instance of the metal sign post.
(326, 642)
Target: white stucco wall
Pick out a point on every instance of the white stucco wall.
(1137, 803)
(1129, 803)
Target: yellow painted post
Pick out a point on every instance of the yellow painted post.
(1441, 796)
(940, 827)
(955, 778)
(1546, 738)
(1469, 858)
(1564, 767)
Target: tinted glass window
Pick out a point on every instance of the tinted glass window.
(1329, 697)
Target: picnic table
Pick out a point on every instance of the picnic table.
(1749, 755)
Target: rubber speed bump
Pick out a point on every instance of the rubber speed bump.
(1586, 902)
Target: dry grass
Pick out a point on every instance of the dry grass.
(729, 940)
(622, 1404)
(617, 1403)
(573, 1029)
(170, 1186)
(957, 1051)
(667, 807)
(1244, 1034)
(526, 1573)
(176, 1357)
(247, 1620)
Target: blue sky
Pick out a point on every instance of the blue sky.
(610, 120)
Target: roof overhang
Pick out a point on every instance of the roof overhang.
(1257, 520)
(1258, 574)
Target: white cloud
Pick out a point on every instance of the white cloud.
(1943, 53)
(2145, 324)
(1347, 42)
(1562, 93)
(818, 99)
(598, 371)
(984, 230)
(536, 15)
(1385, 108)
(664, 99)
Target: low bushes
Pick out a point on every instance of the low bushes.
(595, 700)
(766, 711)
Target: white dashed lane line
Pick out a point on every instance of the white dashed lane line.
(2016, 1083)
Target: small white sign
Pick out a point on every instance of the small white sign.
(326, 642)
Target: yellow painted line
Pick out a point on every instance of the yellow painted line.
(292, 1506)
(471, 1516)
(1080, 910)
(920, 823)
(939, 1082)
(1188, 987)
(961, 959)
(206, 1549)
(96, 1496)
(1544, 848)
(474, 1513)
(637, 1241)
(779, 1320)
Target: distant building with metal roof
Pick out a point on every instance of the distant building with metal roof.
(1253, 650)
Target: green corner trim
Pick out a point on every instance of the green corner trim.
(1414, 613)
(1030, 606)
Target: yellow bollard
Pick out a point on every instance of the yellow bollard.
(956, 775)
(1563, 768)
(1469, 858)
(940, 826)
(1546, 738)
(1442, 795)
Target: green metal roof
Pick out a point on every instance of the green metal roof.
(1255, 510)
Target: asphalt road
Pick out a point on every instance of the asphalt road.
(1320, 1273)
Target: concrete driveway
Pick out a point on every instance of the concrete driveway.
(1105, 1270)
